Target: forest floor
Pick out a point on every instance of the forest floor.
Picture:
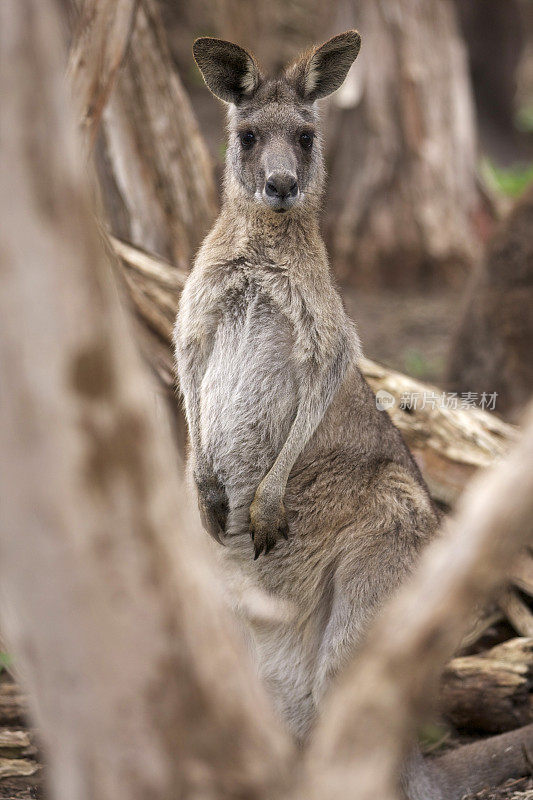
(406, 331)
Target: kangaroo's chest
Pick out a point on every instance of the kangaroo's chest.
(248, 394)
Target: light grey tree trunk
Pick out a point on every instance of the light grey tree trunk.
(139, 682)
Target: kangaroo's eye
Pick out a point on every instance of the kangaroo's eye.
(306, 140)
(247, 139)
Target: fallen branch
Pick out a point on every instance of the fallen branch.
(449, 444)
(13, 703)
(490, 692)
(517, 612)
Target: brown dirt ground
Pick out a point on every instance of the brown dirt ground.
(407, 331)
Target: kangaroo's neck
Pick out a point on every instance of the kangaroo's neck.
(245, 227)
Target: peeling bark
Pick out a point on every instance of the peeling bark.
(156, 174)
(102, 35)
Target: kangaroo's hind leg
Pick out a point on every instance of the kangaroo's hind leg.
(377, 552)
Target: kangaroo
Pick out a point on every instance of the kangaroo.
(307, 484)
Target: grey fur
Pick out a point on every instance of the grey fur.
(286, 439)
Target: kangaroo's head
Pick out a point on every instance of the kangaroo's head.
(274, 155)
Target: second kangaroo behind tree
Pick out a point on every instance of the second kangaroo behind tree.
(291, 459)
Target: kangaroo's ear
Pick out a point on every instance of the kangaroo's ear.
(319, 72)
(228, 70)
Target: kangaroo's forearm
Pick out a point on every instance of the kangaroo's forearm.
(316, 397)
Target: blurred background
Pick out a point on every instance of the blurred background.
(430, 146)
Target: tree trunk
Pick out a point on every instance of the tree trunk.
(155, 171)
(402, 193)
(136, 675)
(102, 33)
(491, 351)
(276, 31)
(489, 27)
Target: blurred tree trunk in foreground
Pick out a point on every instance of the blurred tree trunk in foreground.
(155, 171)
(402, 191)
(493, 345)
(139, 682)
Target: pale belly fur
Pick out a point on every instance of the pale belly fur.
(248, 395)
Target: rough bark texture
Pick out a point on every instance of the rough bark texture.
(155, 171)
(103, 31)
(492, 691)
(21, 764)
(402, 184)
(136, 677)
(276, 31)
(363, 733)
(492, 348)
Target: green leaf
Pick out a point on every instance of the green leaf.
(5, 661)
(509, 181)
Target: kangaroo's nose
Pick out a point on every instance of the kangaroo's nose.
(281, 185)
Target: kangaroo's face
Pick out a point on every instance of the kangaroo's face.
(274, 149)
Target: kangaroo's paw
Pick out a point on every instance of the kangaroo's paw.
(268, 523)
(213, 507)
